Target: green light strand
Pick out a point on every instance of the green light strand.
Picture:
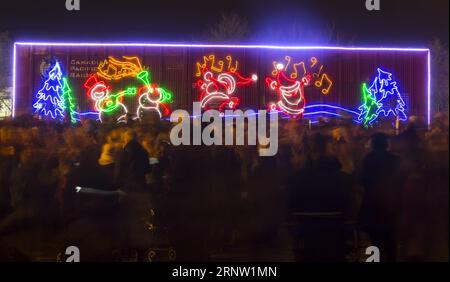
(69, 100)
(166, 96)
(370, 105)
(112, 102)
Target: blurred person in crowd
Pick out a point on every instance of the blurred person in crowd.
(108, 159)
(319, 186)
(341, 148)
(32, 186)
(8, 158)
(316, 191)
(425, 171)
(87, 167)
(380, 179)
(35, 155)
(133, 163)
(135, 207)
(149, 144)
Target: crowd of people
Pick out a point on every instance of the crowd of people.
(325, 180)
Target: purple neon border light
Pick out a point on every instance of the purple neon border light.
(429, 89)
(342, 48)
(14, 81)
(118, 44)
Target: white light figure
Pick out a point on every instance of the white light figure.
(107, 104)
(292, 97)
(221, 90)
(152, 98)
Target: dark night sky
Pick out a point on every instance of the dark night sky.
(400, 22)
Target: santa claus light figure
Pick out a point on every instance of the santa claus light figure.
(219, 92)
(292, 96)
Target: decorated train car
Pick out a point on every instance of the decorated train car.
(110, 82)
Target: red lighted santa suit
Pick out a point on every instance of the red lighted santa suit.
(292, 97)
(220, 90)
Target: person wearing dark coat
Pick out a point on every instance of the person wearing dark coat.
(133, 165)
(136, 205)
(380, 179)
(319, 195)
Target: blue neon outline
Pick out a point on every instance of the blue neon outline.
(54, 73)
(262, 46)
(331, 106)
(399, 110)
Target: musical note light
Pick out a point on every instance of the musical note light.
(304, 68)
(319, 83)
(114, 69)
(210, 63)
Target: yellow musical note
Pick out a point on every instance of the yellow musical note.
(230, 68)
(200, 66)
(132, 64)
(212, 58)
(317, 75)
(288, 59)
(313, 61)
(216, 66)
(114, 69)
(294, 75)
(275, 69)
(102, 64)
(229, 59)
(109, 73)
(218, 69)
(319, 84)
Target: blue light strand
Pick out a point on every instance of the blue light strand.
(385, 90)
(53, 84)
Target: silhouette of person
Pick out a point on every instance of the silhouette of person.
(317, 191)
(380, 178)
(136, 204)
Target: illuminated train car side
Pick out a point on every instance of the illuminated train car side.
(110, 81)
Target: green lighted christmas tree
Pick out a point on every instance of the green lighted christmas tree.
(369, 108)
(69, 100)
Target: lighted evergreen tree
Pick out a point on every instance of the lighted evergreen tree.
(69, 101)
(370, 107)
(391, 102)
(50, 101)
(382, 97)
